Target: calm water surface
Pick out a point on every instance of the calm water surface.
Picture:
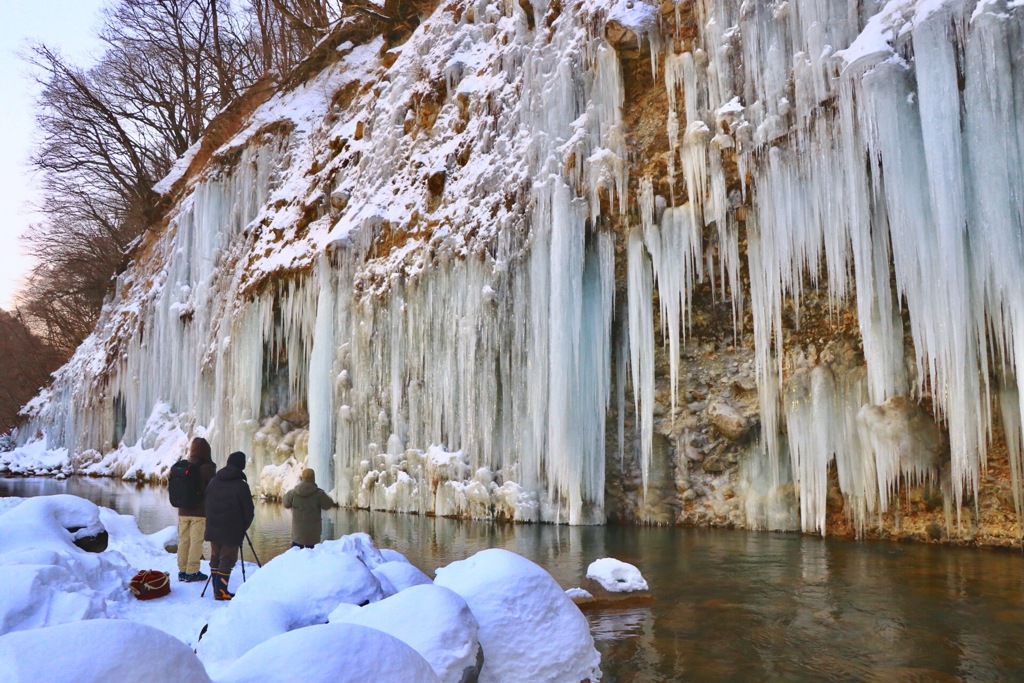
(729, 605)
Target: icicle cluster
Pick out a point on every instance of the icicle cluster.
(415, 294)
(884, 143)
(478, 388)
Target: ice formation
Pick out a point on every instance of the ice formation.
(415, 293)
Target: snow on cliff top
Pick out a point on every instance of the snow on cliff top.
(896, 19)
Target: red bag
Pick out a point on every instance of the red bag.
(149, 584)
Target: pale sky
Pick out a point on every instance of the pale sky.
(71, 27)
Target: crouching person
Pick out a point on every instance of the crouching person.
(229, 512)
(306, 501)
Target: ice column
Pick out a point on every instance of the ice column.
(641, 343)
(321, 376)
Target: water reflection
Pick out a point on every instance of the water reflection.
(729, 606)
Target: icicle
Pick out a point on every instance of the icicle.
(1009, 404)
(641, 344)
(321, 377)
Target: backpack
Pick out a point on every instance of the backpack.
(184, 485)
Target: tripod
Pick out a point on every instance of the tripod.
(241, 556)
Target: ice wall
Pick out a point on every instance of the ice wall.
(411, 285)
(874, 177)
(465, 372)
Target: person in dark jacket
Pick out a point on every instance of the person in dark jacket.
(306, 501)
(192, 521)
(229, 512)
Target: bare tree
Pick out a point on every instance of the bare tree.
(109, 132)
(25, 366)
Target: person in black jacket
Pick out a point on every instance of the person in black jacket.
(192, 521)
(229, 512)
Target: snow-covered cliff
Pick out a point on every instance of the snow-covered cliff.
(471, 273)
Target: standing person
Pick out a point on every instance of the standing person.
(192, 519)
(306, 501)
(229, 512)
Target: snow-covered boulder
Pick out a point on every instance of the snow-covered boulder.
(390, 555)
(616, 576)
(397, 576)
(47, 579)
(52, 518)
(298, 588)
(432, 620)
(360, 545)
(612, 583)
(529, 629)
(98, 651)
(340, 653)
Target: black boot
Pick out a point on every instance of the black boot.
(220, 585)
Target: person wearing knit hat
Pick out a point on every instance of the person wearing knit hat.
(306, 501)
(229, 512)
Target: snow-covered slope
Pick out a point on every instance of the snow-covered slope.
(426, 270)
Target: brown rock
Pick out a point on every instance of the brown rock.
(604, 599)
(729, 422)
(93, 544)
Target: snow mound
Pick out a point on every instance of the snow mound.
(360, 545)
(35, 457)
(47, 579)
(296, 589)
(399, 576)
(9, 503)
(390, 555)
(97, 651)
(616, 576)
(450, 644)
(340, 653)
(529, 629)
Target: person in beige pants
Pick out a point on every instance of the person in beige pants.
(192, 521)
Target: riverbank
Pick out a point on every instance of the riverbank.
(376, 602)
(727, 604)
(915, 518)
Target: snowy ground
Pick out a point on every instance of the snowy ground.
(344, 611)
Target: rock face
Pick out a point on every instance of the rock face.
(679, 296)
(729, 422)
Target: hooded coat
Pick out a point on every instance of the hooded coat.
(229, 506)
(306, 501)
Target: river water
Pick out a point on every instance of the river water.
(729, 605)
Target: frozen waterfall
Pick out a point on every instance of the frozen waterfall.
(417, 293)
